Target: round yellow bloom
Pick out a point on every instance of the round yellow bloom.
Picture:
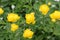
(55, 15)
(12, 17)
(53, 20)
(44, 9)
(49, 3)
(30, 18)
(14, 27)
(1, 11)
(28, 33)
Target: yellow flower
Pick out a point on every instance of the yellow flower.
(28, 33)
(1, 11)
(14, 27)
(49, 3)
(53, 20)
(55, 15)
(12, 17)
(44, 9)
(30, 18)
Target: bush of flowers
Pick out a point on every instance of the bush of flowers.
(29, 19)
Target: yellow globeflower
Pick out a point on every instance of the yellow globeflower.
(12, 17)
(49, 3)
(1, 11)
(30, 18)
(44, 9)
(28, 33)
(14, 27)
(53, 20)
(55, 15)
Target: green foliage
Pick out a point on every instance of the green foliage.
(43, 29)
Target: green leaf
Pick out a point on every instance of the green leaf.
(57, 30)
